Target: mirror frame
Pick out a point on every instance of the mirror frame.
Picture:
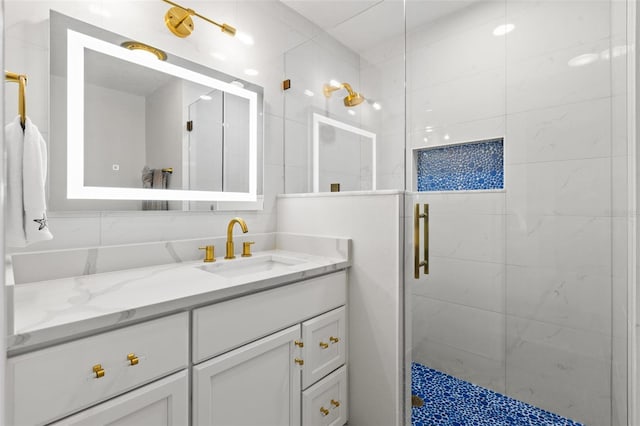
(321, 119)
(77, 40)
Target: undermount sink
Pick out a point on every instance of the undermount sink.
(253, 265)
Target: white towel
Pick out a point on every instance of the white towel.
(27, 174)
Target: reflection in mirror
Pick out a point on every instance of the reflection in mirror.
(141, 129)
(344, 155)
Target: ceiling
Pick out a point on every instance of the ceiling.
(363, 24)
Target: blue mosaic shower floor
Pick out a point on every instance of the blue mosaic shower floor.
(453, 402)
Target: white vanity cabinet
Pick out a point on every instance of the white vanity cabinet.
(261, 362)
(273, 357)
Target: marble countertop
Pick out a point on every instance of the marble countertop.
(47, 312)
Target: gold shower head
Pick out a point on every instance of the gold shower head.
(178, 20)
(352, 99)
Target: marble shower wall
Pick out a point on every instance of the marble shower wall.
(527, 287)
(276, 30)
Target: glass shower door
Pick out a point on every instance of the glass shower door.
(526, 291)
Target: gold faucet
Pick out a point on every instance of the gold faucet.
(243, 225)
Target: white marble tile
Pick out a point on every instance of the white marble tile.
(548, 80)
(474, 284)
(572, 187)
(452, 24)
(490, 128)
(467, 236)
(566, 132)
(547, 26)
(297, 144)
(559, 369)
(69, 230)
(474, 97)
(462, 203)
(472, 330)
(566, 296)
(459, 363)
(568, 241)
(297, 180)
(434, 63)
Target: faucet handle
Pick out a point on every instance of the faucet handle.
(246, 248)
(209, 253)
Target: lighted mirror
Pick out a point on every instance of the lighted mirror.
(344, 156)
(144, 133)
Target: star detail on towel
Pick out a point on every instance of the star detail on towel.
(42, 222)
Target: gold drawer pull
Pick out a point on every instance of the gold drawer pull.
(299, 361)
(298, 343)
(334, 339)
(324, 411)
(133, 359)
(98, 370)
(324, 345)
(335, 403)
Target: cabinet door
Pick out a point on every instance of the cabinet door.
(256, 384)
(162, 403)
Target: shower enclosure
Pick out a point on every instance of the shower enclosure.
(527, 291)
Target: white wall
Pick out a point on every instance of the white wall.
(375, 293)
(527, 287)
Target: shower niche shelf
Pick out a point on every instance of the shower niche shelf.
(470, 166)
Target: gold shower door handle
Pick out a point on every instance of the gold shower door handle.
(417, 263)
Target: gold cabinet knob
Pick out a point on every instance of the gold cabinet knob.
(335, 403)
(98, 370)
(133, 359)
(324, 411)
(334, 339)
(299, 361)
(298, 343)
(324, 345)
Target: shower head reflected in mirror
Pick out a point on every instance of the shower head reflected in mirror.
(352, 99)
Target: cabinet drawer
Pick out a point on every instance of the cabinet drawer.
(57, 381)
(325, 403)
(227, 325)
(161, 403)
(324, 345)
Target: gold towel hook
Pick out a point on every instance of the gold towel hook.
(21, 79)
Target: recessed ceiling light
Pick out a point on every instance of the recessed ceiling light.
(308, 92)
(376, 106)
(447, 137)
(501, 30)
(205, 97)
(250, 71)
(237, 83)
(352, 112)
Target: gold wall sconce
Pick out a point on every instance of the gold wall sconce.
(136, 45)
(352, 99)
(178, 20)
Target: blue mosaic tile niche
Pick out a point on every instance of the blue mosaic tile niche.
(449, 401)
(466, 167)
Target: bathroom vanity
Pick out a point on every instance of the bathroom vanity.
(255, 340)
